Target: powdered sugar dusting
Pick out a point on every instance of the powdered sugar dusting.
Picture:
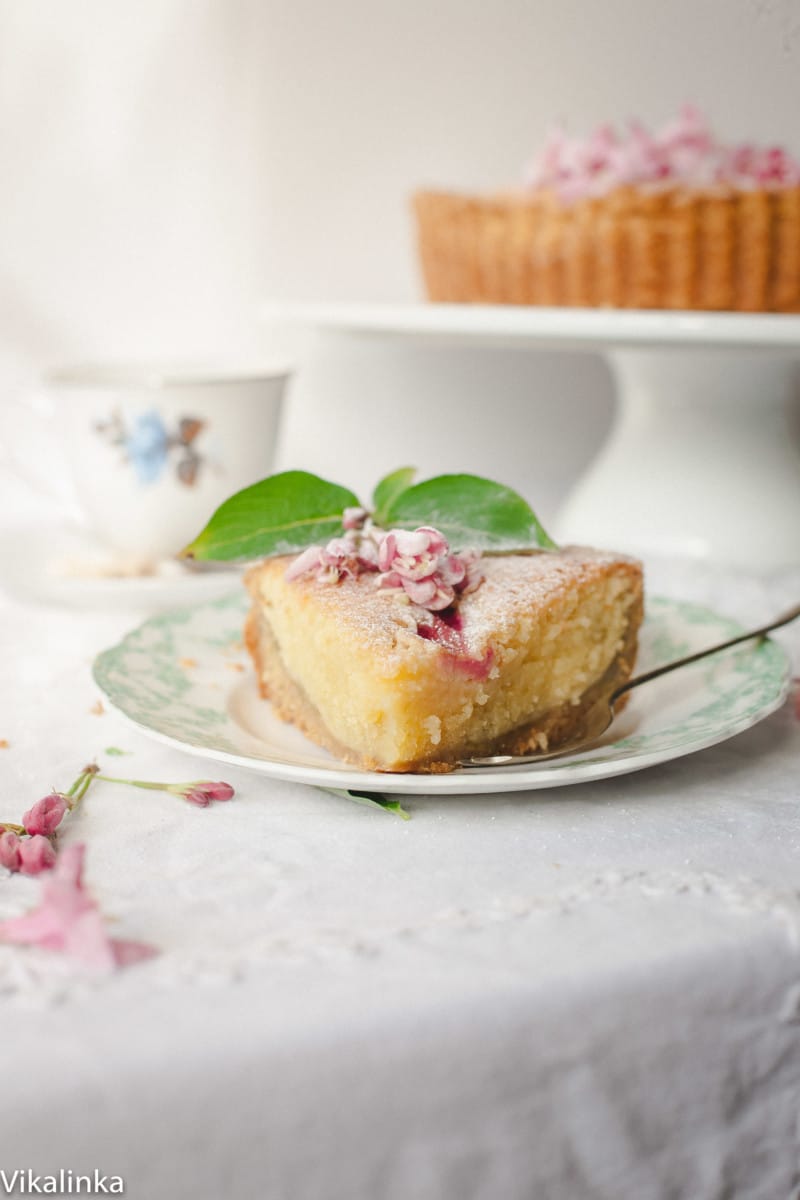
(386, 621)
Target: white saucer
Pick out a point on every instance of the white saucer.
(63, 565)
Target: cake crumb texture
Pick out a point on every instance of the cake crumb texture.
(345, 663)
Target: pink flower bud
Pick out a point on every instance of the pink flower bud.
(220, 791)
(45, 815)
(9, 850)
(202, 791)
(36, 855)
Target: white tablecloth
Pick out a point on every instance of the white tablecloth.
(593, 991)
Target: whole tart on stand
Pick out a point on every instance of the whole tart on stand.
(675, 220)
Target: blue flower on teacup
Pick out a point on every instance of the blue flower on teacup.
(147, 446)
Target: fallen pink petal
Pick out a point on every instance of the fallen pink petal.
(126, 953)
(69, 922)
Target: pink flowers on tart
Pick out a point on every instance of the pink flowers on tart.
(418, 563)
(683, 152)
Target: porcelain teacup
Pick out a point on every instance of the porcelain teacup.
(152, 451)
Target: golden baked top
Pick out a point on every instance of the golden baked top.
(380, 619)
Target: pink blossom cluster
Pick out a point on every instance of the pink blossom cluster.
(341, 557)
(67, 919)
(29, 849)
(30, 855)
(420, 562)
(417, 562)
(682, 151)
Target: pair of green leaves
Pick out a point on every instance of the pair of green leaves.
(286, 513)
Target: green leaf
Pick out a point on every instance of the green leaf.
(471, 512)
(388, 490)
(280, 515)
(115, 751)
(372, 800)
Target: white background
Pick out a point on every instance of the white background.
(347, 1004)
(169, 165)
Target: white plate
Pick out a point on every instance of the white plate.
(183, 678)
(561, 328)
(62, 564)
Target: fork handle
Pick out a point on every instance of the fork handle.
(790, 615)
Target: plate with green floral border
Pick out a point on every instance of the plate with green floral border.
(184, 678)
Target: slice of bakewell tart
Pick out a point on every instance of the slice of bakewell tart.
(392, 671)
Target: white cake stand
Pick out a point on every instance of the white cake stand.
(700, 460)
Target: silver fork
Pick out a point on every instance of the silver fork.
(601, 713)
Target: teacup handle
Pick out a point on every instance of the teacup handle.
(29, 447)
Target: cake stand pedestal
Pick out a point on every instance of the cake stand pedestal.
(700, 460)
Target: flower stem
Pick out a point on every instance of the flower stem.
(81, 785)
(142, 783)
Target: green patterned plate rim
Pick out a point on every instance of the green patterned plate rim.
(184, 678)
